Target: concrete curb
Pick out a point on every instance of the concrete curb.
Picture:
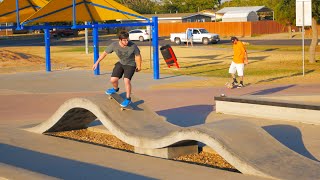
(270, 109)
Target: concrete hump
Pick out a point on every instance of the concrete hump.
(244, 145)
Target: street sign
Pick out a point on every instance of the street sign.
(303, 18)
(303, 13)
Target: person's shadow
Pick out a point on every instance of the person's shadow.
(291, 137)
(59, 167)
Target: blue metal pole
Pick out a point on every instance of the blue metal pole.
(155, 44)
(18, 16)
(95, 34)
(74, 13)
(47, 43)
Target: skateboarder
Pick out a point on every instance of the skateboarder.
(129, 63)
(240, 59)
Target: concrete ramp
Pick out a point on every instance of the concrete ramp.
(245, 146)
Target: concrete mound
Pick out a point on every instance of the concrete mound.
(246, 146)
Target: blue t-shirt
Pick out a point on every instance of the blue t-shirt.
(189, 34)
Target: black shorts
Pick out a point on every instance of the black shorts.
(126, 70)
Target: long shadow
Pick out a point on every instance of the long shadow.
(291, 137)
(188, 115)
(207, 71)
(256, 59)
(272, 90)
(281, 77)
(200, 64)
(194, 73)
(59, 167)
(271, 49)
(208, 57)
(21, 55)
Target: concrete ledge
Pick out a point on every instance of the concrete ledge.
(269, 109)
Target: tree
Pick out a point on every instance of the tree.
(141, 6)
(188, 6)
(315, 19)
(285, 11)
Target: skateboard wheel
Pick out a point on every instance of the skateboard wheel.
(110, 97)
(122, 109)
(222, 95)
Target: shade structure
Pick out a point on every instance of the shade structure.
(86, 10)
(26, 9)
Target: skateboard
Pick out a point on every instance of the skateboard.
(119, 100)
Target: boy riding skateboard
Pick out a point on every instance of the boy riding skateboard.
(129, 63)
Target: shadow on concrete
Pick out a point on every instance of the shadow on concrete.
(59, 167)
(188, 115)
(272, 90)
(291, 137)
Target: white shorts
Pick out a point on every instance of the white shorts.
(239, 68)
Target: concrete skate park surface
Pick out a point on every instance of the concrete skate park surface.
(31, 98)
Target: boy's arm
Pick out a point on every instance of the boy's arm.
(246, 57)
(245, 54)
(138, 60)
(101, 57)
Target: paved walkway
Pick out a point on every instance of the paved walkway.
(31, 98)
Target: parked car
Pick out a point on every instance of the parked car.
(139, 35)
(200, 35)
(64, 32)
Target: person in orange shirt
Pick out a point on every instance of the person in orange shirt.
(240, 59)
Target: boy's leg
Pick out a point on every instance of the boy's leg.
(127, 83)
(115, 82)
(232, 71)
(117, 73)
(240, 71)
(128, 74)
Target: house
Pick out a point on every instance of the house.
(199, 17)
(177, 17)
(263, 12)
(240, 16)
(169, 17)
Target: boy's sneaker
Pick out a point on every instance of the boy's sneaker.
(111, 91)
(125, 103)
(240, 86)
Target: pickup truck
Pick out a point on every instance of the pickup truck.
(199, 35)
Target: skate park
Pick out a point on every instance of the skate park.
(243, 126)
(29, 103)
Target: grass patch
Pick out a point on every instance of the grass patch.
(268, 64)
